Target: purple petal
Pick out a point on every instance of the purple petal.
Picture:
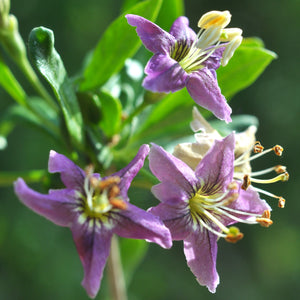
(71, 175)
(175, 217)
(136, 223)
(58, 207)
(200, 249)
(129, 172)
(249, 201)
(168, 168)
(216, 167)
(153, 37)
(171, 80)
(204, 89)
(169, 193)
(159, 63)
(182, 32)
(214, 61)
(93, 245)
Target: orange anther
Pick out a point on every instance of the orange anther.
(278, 150)
(258, 148)
(280, 169)
(246, 182)
(118, 203)
(281, 202)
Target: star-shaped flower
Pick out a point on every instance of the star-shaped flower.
(184, 59)
(197, 206)
(95, 208)
(245, 143)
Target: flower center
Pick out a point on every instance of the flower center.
(102, 197)
(212, 36)
(211, 211)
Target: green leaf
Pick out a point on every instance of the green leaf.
(11, 85)
(49, 63)
(111, 113)
(247, 63)
(161, 110)
(132, 252)
(118, 43)
(170, 10)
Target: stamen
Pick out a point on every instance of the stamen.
(246, 182)
(209, 37)
(215, 18)
(234, 235)
(118, 203)
(103, 184)
(278, 169)
(265, 220)
(228, 34)
(280, 177)
(230, 49)
(278, 150)
(281, 202)
(258, 148)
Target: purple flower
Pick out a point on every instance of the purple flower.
(95, 208)
(197, 206)
(183, 59)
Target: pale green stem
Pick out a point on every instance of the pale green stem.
(115, 272)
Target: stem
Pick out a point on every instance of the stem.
(115, 272)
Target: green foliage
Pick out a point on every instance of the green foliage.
(49, 63)
(118, 43)
(246, 65)
(111, 113)
(132, 252)
(10, 84)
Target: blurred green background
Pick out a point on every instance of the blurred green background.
(38, 260)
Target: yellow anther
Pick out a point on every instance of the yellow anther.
(228, 34)
(258, 148)
(215, 18)
(278, 150)
(246, 182)
(280, 169)
(234, 235)
(281, 202)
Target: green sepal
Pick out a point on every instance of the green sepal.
(49, 63)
